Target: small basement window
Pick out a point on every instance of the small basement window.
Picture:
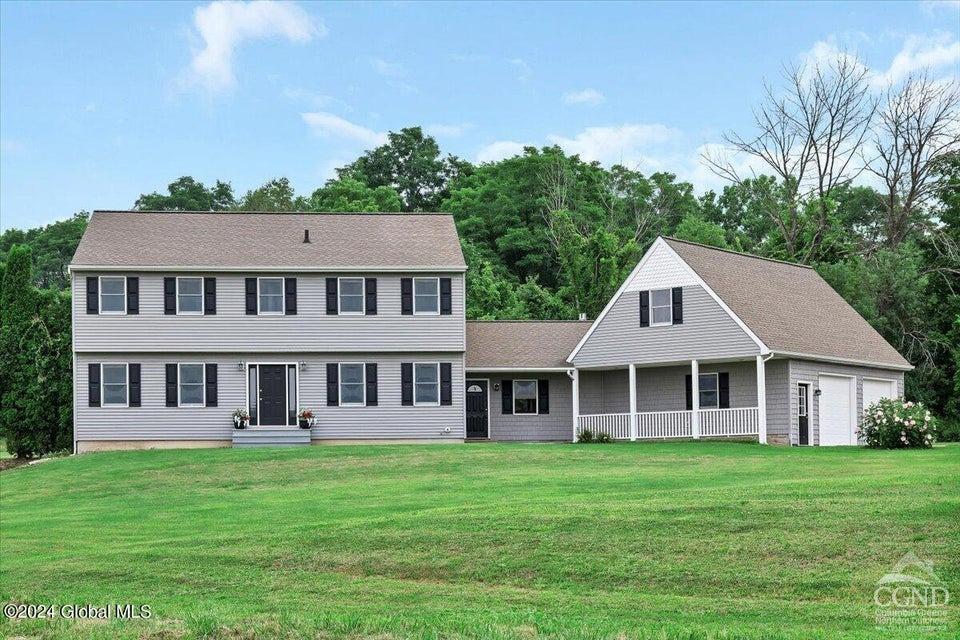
(524, 397)
(661, 307)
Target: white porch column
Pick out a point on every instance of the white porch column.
(695, 397)
(761, 400)
(633, 402)
(575, 379)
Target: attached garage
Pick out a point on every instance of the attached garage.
(876, 388)
(838, 410)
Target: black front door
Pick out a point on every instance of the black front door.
(803, 412)
(273, 394)
(477, 409)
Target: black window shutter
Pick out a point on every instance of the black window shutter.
(371, 384)
(370, 289)
(543, 396)
(446, 383)
(446, 297)
(133, 295)
(93, 384)
(333, 305)
(723, 386)
(211, 380)
(290, 296)
(209, 296)
(406, 384)
(133, 390)
(644, 308)
(251, 291)
(406, 296)
(171, 384)
(689, 383)
(169, 296)
(678, 305)
(93, 293)
(506, 396)
(333, 383)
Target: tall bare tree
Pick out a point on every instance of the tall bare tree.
(917, 126)
(809, 134)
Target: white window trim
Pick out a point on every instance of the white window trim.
(717, 387)
(431, 364)
(669, 306)
(203, 384)
(414, 293)
(283, 297)
(536, 398)
(177, 295)
(363, 384)
(100, 295)
(363, 297)
(103, 396)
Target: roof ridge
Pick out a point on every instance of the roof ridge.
(286, 213)
(739, 253)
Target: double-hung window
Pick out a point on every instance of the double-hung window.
(114, 382)
(426, 296)
(270, 296)
(113, 294)
(189, 296)
(524, 397)
(191, 382)
(352, 384)
(709, 391)
(351, 296)
(661, 307)
(426, 384)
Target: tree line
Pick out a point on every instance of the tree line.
(861, 185)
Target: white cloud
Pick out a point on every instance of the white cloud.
(328, 125)
(448, 130)
(932, 6)
(499, 150)
(523, 69)
(920, 53)
(629, 143)
(225, 24)
(388, 69)
(585, 96)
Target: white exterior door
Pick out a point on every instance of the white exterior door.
(837, 404)
(874, 390)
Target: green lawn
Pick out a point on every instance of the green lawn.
(665, 540)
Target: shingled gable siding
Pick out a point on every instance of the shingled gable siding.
(232, 330)
(155, 422)
(556, 425)
(707, 332)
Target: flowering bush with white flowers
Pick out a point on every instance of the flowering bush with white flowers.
(895, 424)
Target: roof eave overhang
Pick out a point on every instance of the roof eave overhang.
(505, 369)
(840, 360)
(271, 269)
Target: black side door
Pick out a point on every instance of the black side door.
(273, 395)
(803, 412)
(477, 410)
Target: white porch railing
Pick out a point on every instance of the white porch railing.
(674, 424)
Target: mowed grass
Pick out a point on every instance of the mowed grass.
(653, 540)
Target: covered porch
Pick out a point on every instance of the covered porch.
(696, 399)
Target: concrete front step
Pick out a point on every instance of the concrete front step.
(271, 437)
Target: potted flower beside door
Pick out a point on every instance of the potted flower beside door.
(241, 418)
(305, 418)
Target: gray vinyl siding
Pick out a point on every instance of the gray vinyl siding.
(778, 401)
(556, 425)
(231, 330)
(809, 370)
(707, 332)
(660, 388)
(155, 421)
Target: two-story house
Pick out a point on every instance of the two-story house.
(182, 318)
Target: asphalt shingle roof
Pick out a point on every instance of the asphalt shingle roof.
(254, 240)
(788, 306)
(522, 343)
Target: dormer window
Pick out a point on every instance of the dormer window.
(661, 307)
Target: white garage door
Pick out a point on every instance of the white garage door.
(873, 390)
(836, 407)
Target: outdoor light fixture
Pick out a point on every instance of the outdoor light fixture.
(817, 393)
(496, 386)
(303, 364)
(241, 365)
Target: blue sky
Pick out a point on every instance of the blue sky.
(101, 102)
